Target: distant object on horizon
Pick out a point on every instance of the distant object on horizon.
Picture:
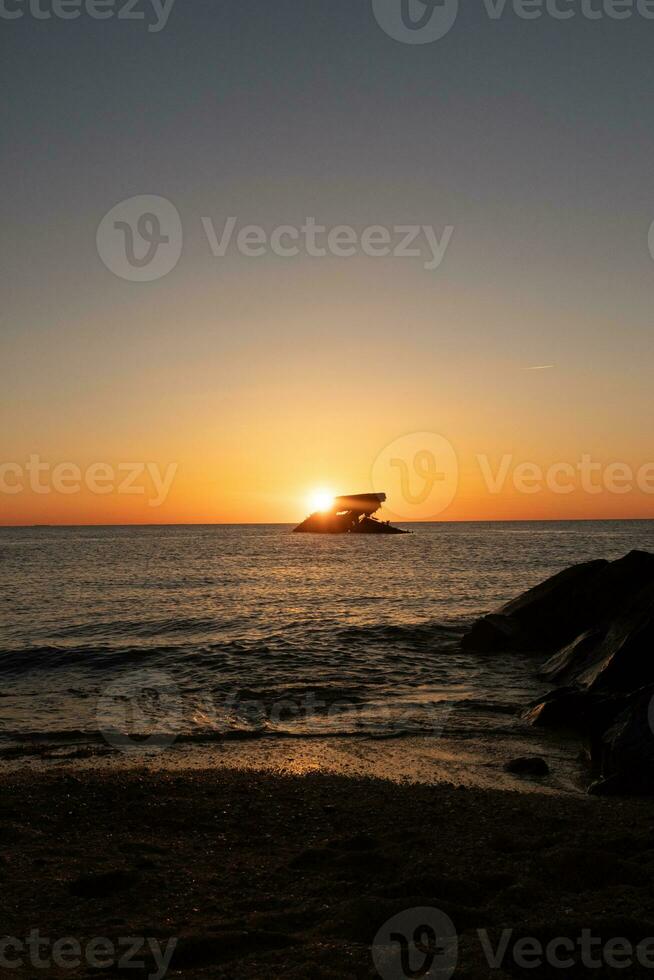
(349, 514)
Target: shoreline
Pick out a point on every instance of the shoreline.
(258, 874)
(473, 762)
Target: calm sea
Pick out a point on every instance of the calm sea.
(251, 632)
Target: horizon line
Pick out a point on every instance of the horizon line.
(478, 520)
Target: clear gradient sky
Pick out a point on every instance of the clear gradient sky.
(264, 378)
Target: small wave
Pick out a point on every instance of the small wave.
(108, 647)
(24, 660)
(143, 628)
(490, 707)
(10, 739)
(419, 635)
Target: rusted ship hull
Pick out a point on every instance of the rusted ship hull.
(350, 514)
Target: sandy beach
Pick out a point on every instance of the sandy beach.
(256, 874)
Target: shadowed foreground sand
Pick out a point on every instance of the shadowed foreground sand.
(259, 875)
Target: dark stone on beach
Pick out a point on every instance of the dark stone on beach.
(600, 615)
(577, 710)
(492, 634)
(539, 618)
(565, 664)
(559, 709)
(549, 614)
(624, 659)
(101, 884)
(528, 766)
(625, 754)
(555, 613)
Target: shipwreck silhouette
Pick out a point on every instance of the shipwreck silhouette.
(350, 514)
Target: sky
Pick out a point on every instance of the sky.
(234, 385)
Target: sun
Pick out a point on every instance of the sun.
(321, 500)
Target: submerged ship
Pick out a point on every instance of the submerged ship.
(350, 514)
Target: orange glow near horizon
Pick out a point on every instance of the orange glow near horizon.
(265, 489)
(251, 446)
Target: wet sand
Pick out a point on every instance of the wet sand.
(256, 874)
(477, 762)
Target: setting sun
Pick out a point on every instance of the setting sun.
(321, 500)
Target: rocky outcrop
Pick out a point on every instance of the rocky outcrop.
(557, 612)
(542, 618)
(594, 622)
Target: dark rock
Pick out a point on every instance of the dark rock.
(568, 662)
(552, 612)
(492, 634)
(596, 622)
(575, 709)
(552, 615)
(528, 766)
(626, 749)
(625, 657)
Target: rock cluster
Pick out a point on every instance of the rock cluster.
(594, 624)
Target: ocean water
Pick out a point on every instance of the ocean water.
(204, 634)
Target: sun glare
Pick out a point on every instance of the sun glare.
(321, 500)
